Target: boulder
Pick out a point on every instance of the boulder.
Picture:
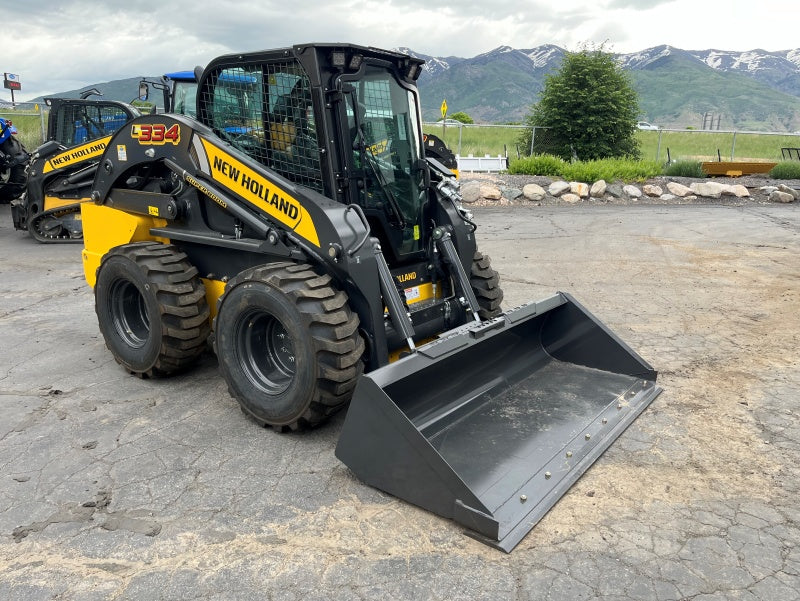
(533, 192)
(490, 192)
(778, 196)
(616, 190)
(740, 191)
(678, 189)
(632, 191)
(580, 189)
(788, 190)
(470, 192)
(652, 191)
(707, 189)
(667, 197)
(511, 193)
(558, 188)
(570, 197)
(598, 189)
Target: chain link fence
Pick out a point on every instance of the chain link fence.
(663, 145)
(30, 119)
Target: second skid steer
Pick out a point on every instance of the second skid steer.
(297, 223)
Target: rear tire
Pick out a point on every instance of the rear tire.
(288, 345)
(485, 282)
(12, 183)
(151, 307)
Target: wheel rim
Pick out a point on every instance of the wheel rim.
(265, 351)
(129, 313)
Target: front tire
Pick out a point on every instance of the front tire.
(288, 345)
(151, 308)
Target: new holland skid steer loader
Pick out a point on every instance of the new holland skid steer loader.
(297, 222)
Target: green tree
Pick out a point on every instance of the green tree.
(463, 117)
(590, 108)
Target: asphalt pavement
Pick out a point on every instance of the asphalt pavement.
(118, 488)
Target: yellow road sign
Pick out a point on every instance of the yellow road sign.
(444, 108)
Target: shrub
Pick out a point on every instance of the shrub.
(786, 170)
(685, 169)
(627, 170)
(539, 164)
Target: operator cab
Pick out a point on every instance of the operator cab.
(341, 120)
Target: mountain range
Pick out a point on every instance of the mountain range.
(751, 90)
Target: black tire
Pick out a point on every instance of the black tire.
(151, 307)
(288, 345)
(485, 282)
(12, 183)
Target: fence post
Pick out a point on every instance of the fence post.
(460, 129)
(44, 126)
(533, 137)
(658, 148)
(733, 145)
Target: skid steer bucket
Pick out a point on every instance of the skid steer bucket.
(491, 424)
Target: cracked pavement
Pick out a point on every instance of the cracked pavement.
(117, 488)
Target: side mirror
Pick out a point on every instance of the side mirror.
(144, 90)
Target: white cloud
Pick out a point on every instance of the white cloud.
(77, 42)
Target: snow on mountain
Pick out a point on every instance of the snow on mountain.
(543, 56)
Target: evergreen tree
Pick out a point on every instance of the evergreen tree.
(590, 108)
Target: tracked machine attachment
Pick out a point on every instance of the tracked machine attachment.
(298, 219)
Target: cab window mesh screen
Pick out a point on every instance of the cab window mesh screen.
(266, 111)
(78, 124)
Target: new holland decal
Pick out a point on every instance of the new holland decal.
(240, 179)
(80, 153)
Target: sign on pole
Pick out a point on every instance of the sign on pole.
(444, 108)
(12, 82)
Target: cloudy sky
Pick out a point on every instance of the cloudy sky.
(59, 46)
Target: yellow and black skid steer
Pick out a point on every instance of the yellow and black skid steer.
(61, 171)
(297, 223)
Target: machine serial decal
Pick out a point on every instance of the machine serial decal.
(74, 155)
(240, 179)
(156, 134)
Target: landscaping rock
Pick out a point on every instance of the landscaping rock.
(598, 189)
(788, 190)
(616, 190)
(739, 191)
(652, 190)
(632, 191)
(571, 198)
(511, 193)
(558, 188)
(470, 191)
(490, 192)
(580, 189)
(678, 189)
(707, 189)
(778, 196)
(533, 192)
